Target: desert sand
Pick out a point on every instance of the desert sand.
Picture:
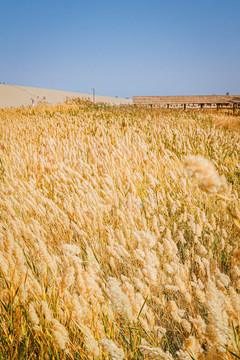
(16, 96)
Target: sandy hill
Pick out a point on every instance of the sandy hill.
(15, 96)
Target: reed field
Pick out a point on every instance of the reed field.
(119, 233)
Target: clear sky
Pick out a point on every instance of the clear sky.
(122, 48)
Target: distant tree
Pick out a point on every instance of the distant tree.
(227, 93)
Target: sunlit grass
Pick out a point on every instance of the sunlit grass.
(107, 248)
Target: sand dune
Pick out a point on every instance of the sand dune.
(15, 96)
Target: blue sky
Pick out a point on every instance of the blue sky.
(122, 48)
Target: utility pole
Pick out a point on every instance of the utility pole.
(93, 89)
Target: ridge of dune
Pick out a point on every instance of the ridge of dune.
(16, 96)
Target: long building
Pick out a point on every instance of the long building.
(189, 101)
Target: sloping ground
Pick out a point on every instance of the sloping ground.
(106, 246)
(16, 96)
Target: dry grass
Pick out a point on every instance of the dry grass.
(108, 250)
(228, 122)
